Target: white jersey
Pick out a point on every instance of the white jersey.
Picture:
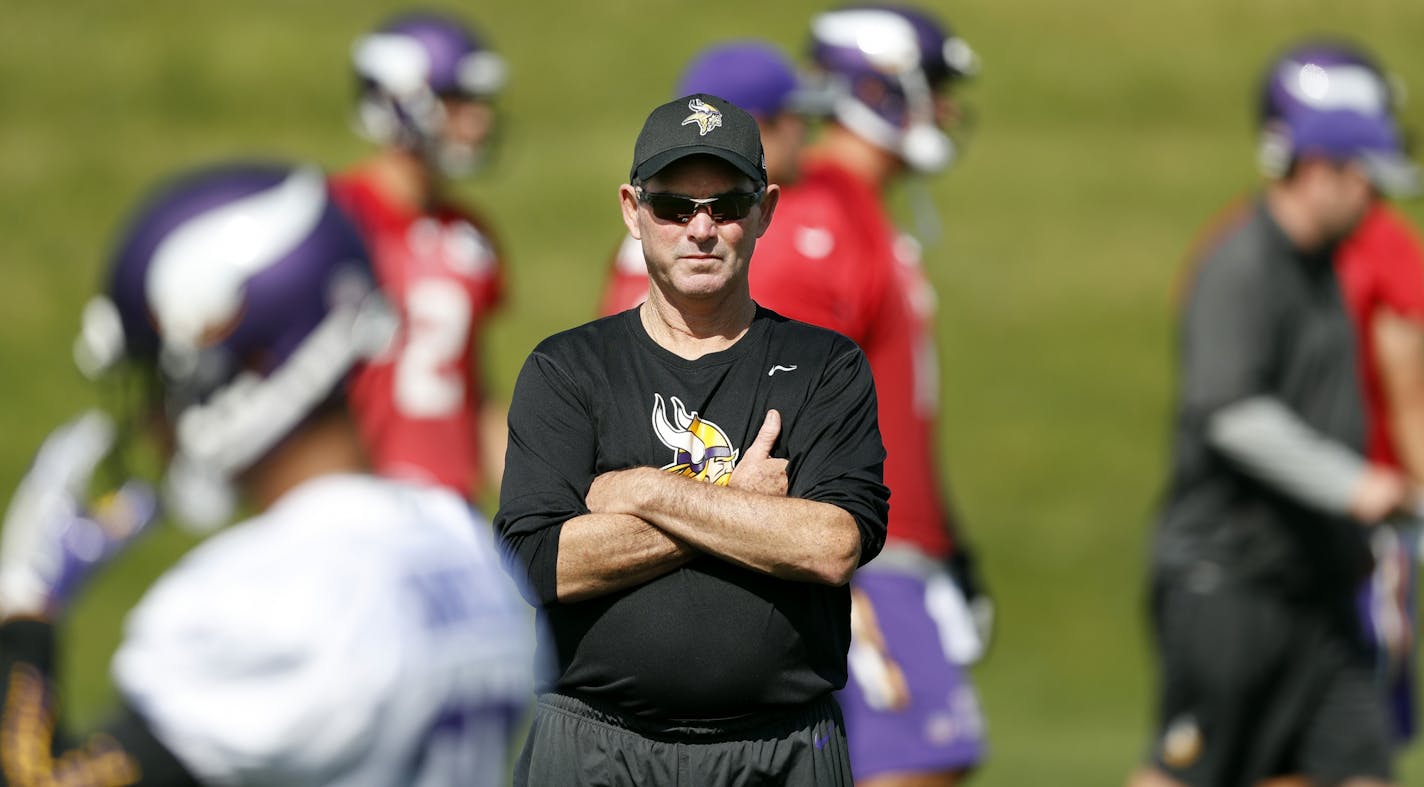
(360, 632)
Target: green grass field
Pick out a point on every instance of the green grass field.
(1108, 132)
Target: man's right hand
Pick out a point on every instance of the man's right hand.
(756, 470)
(1379, 493)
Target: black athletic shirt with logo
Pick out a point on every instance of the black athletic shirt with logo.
(709, 640)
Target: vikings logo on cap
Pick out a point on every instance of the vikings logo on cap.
(700, 448)
(706, 116)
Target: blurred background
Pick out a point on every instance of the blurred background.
(1107, 134)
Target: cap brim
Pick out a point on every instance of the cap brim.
(1392, 173)
(655, 164)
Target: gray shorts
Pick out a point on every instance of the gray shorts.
(572, 744)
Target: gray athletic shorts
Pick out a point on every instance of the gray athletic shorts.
(1254, 686)
(571, 744)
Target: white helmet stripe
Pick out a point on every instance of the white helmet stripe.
(398, 62)
(886, 40)
(1343, 87)
(196, 280)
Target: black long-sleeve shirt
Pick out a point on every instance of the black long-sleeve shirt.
(709, 639)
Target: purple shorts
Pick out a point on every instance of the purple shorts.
(940, 728)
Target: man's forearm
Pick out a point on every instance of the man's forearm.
(786, 537)
(1270, 442)
(602, 553)
(1399, 355)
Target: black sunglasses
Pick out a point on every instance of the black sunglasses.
(732, 206)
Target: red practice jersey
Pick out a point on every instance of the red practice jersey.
(627, 283)
(417, 406)
(833, 258)
(1380, 267)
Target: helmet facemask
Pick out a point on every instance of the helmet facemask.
(245, 296)
(888, 65)
(406, 74)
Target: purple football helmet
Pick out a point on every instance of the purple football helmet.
(248, 296)
(1332, 99)
(406, 67)
(888, 62)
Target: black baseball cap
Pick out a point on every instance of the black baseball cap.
(699, 123)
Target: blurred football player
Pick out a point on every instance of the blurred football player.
(356, 630)
(761, 79)
(1381, 272)
(1265, 536)
(834, 257)
(427, 84)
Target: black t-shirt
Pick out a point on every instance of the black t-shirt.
(710, 639)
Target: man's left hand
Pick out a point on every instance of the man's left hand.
(757, 470)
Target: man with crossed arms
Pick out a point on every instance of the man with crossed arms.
(689, 487)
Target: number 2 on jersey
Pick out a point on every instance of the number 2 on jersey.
(430, 381)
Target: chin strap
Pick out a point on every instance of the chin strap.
(244, 420)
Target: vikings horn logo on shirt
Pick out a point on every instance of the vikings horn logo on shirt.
(706, 116)
(700, 448)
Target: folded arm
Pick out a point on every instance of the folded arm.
(782, 536)
(601, 553)
(750, 522)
